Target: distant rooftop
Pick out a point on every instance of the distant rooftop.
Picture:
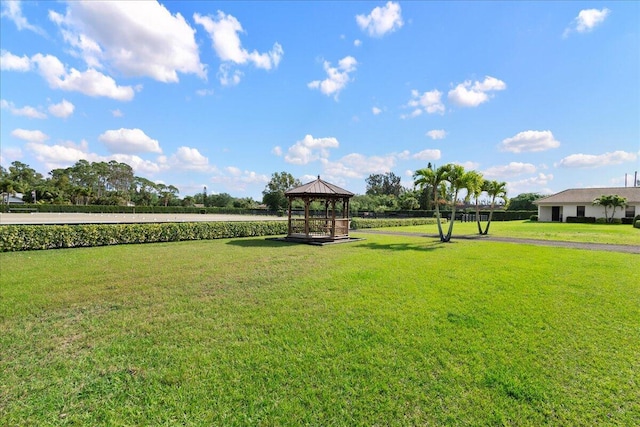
(586, 195)
(319, 187)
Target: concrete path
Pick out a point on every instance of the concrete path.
(629, 249)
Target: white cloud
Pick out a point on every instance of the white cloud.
(224, 31)
(60, 155)
(9, 154)
(11, 62)
(138, 164)
(277, 150)
(149, 40)
(129, 141)
(357, 165)
(186, 158)
(13, 10)
(469, 165)
(472, 94)
(310, 149)
(594, 161)
(90, 82)
(227, 76)
(535, 184)
(429, 154)
(428, 102)
(381, 20)
(357, 43)
(26, 111)
(376, 111)
(117, 113)
(63, 110)
(67, 153)
(437, 134)
(512, 169)
(530, 141)
(232, 178)
(587, 20)
(337, 77)
(30, 135)
(205, 92)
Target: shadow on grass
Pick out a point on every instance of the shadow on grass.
(425, 247)
(259, 243)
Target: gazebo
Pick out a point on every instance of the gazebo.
(327, 225)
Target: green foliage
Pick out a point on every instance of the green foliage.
(637, 223)
(524, 202)
(612, 201)
(273, 193)
(601, 220)
(533, 218)
(35, 237)
(384, 184)
(360, 223)
(615, 221)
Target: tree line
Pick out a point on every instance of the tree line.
(114, 183)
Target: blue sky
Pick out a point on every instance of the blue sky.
(542, 95)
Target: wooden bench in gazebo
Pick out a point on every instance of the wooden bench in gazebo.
(331, 224)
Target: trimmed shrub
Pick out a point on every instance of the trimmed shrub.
(34, 237)
(616, 221)
(601, 221)
(581, 219)
(627, 220)
(637, 223)
(533, 218)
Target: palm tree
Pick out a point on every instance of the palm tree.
(475, 186)
(495, 190)
(457, 179)
(614, 201)
(432, 177)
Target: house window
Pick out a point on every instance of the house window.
(630, 212)
(580, 211)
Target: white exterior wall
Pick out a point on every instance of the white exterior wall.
(545, 212)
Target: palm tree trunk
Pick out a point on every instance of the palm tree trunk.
(493, 204)
(478, 217)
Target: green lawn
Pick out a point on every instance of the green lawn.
(391, 330)
(593, 233)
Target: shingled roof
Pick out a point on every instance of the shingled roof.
(586, 195)
(318, 188)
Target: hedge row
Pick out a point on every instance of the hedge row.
(636, 224)
(581, 219)
(359, 223)
(131, 209)
(34, 237)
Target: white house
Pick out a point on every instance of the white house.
(578, 202)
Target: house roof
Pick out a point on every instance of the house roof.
(318, 188)
(586, 195)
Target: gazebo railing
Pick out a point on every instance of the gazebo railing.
(320, 227)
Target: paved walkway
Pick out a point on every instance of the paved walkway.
(629, 249)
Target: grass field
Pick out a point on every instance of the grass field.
(391, 330)
(590, 233)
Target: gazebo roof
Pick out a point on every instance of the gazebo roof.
(319, 188)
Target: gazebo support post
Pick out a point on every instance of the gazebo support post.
(290, 229)
(306, 216)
